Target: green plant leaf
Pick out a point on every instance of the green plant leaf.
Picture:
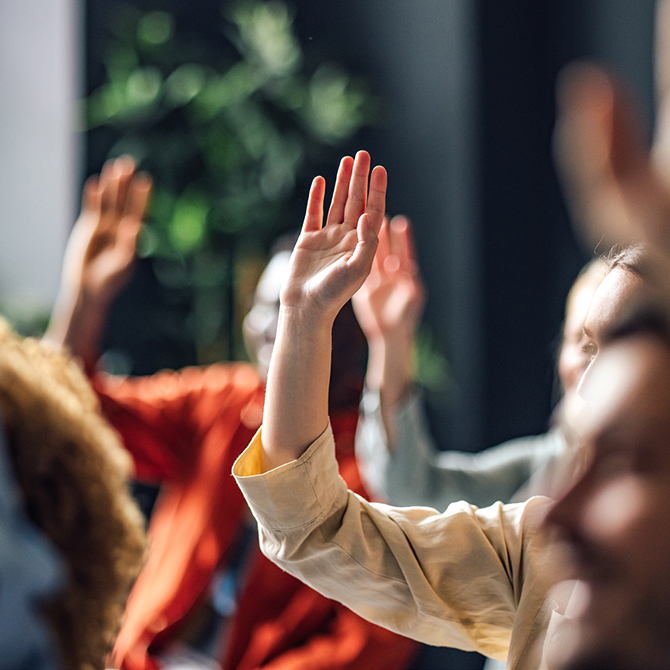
(188, 224)
(155, 28)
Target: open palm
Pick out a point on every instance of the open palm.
(391, 300)
(617, 188)
(331, 262)
(101, 249)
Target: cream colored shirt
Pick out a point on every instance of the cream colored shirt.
(470, 578)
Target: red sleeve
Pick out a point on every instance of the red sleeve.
(282, 624)
(350, 643)
(188, 428)
(163, 419)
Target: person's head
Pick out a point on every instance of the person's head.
(260, 330)
(72, 473)
(572, 359)
(260, 324)
(624, 286)
(614, 519)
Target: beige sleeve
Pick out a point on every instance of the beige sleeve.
(468, 578)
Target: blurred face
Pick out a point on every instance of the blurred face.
(615, 520)
(573, 360)
(260, 324)
(616, 293)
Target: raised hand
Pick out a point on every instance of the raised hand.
(101, 249)
(388, 307)
(328, 265)
(331, 262)
(617, 187)
(391, 301)
(99, 257)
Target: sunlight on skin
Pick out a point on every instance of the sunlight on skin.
(328, 265)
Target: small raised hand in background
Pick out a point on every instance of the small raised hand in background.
(389, 307)
(99, 256)
(617, 187)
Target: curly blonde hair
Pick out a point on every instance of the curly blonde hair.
(72, 471)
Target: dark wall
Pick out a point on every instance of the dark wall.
(469, 90)
(529, 258)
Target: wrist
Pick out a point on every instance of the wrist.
(306, 322)
(396, 339)
(77, 323)
(396, 381)
(390, 367)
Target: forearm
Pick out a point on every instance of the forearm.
(78, 325)
(390, 373)
(296, 401)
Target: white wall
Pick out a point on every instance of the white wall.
(40, 73)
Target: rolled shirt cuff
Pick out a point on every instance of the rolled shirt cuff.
(296, 495)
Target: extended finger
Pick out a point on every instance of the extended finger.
(382, 248)
(358, 189)
(314, 212)
(126, 238)
(366, 246)
(139, 192)
(109, 185)
(336, 210)
(124, 167)
(377, 197)
(598, 126)
(91, 195)
(403, 243)
(600, 152)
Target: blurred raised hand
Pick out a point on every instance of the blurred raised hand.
(99, 256)
(101, 248)
(391, 301)
(389, 307)
(617, 186)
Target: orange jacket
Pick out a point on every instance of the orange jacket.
(184, 430)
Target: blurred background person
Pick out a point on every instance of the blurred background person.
(72, 476)
(396, 451)
(611, 520)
